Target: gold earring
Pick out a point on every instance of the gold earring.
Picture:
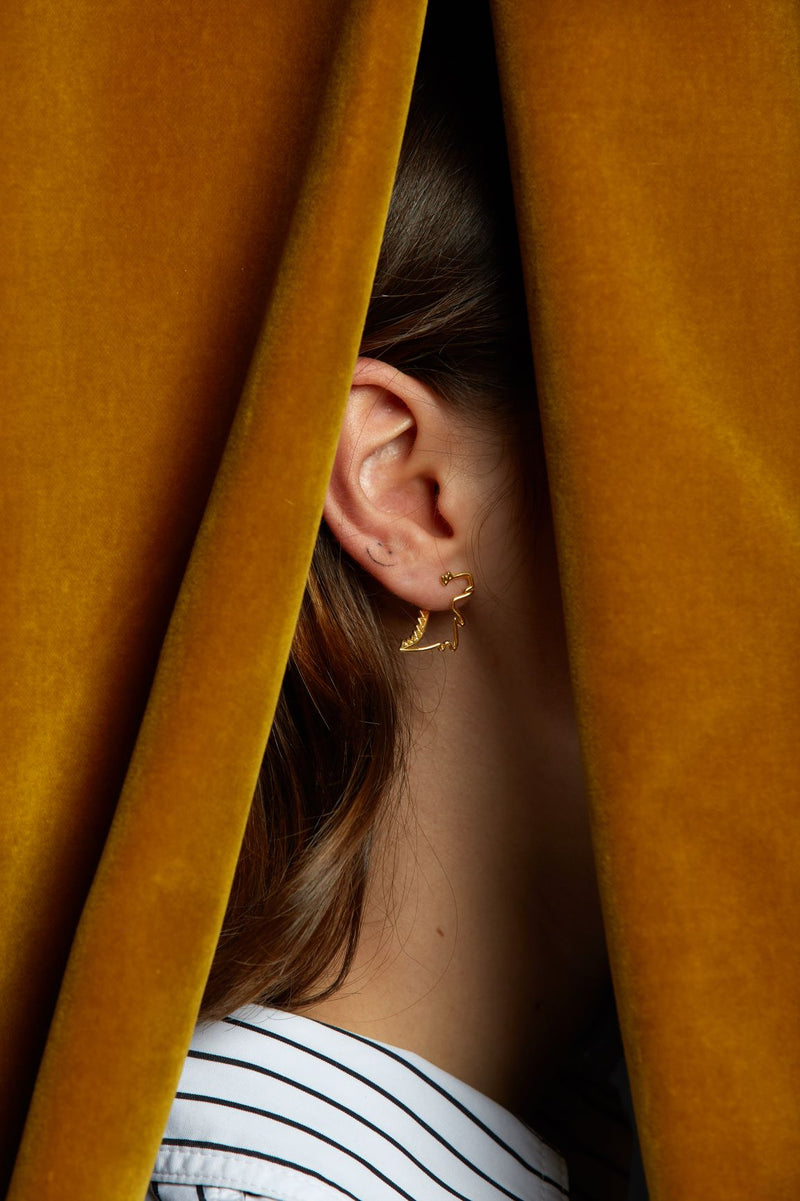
(412, 642)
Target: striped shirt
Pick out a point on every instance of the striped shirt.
(279, 1106)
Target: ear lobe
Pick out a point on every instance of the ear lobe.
(384, 500)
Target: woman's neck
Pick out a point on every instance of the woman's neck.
(482, 945)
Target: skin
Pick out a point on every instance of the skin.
(482, 947)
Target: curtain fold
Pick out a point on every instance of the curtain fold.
(193, 202)
(177, 178)
(656, 152)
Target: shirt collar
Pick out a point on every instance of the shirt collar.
(272, 1101)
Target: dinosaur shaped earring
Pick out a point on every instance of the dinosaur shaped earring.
(412, 642)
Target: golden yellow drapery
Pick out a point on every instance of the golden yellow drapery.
(193, 202)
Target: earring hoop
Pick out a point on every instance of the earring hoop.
(412, 642)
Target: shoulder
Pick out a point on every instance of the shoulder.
(226, 1137)
(276, 1105)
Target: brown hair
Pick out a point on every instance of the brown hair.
(448, 308)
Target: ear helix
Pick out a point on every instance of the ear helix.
(412, 642)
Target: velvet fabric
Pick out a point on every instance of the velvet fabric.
(194, 205)
(193, 199)
(657, 153)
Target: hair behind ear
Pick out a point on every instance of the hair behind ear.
(336, 747)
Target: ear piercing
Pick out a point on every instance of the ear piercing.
(412, 642)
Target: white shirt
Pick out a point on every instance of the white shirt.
(276, 1105)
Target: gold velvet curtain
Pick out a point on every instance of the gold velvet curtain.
(192, 204)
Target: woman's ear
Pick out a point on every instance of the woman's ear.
(401, 499)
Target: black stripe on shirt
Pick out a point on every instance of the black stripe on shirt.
(417, 1072)
(281, 1163)
(278, 1117)
(254, 1067)
(412, 1067)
